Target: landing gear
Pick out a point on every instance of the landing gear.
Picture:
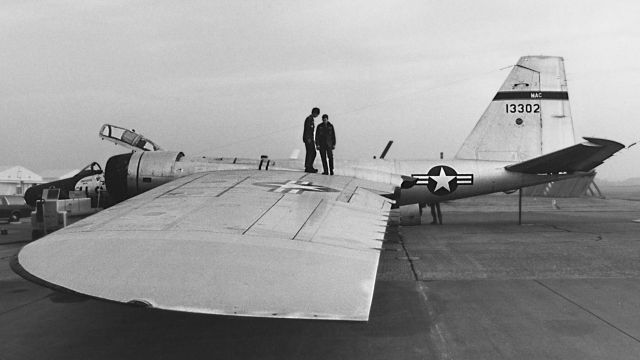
(436, 214)
(520, 206)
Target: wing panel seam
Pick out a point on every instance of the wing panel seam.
(134, 208)
(232, 186)
(307, 220)
(353, 193)
(263, 214)
(206, 202)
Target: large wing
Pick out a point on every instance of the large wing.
(247, 243)
(580, 157)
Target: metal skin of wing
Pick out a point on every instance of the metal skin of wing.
(242, 242)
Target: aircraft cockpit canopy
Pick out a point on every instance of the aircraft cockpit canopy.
(127, 138)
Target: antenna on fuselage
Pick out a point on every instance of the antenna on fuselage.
(386, 149)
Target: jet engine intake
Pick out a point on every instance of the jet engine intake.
(127, 175)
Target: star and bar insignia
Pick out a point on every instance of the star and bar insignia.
(294, 186)
(443, 180)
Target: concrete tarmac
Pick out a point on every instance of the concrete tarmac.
(564, 285)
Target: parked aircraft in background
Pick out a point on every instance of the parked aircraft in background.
(90, 180)
(127, 138)
(260, 238)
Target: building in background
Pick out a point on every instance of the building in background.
(57, 174)
(15, 179)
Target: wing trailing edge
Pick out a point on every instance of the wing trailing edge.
(581, 157)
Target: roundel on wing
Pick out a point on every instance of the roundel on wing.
(294, 186)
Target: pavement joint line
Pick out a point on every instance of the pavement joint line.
(421, 288)
(24, 305)
(587, 310)
(597, 235)
(560, 229)
(445, 354)
(406, 252)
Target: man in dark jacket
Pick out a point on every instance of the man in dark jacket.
(326, 142)
(307, 138)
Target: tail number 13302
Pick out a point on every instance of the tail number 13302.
(522, 108)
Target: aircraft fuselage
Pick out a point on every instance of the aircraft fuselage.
(437, 180)
(442, 180)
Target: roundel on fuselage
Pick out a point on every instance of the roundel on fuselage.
(442, 180)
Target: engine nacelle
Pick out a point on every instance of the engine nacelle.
(407, 215)
(412, 195)
(127, 175)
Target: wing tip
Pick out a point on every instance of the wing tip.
(604, 142)
(17, 268)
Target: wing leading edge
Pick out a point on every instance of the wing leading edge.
(244, 243)
(581, 157)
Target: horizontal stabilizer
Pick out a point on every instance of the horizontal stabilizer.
(580, 157)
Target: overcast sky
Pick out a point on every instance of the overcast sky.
(237, 78)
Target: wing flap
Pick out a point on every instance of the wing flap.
(244, 243)
(577, 158)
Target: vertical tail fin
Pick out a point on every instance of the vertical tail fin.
(528, 117)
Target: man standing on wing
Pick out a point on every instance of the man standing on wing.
(326, 142)
(307, 138)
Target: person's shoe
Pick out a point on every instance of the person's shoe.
(309, 170)
(325, 173)
(314, 170)
(331, 172)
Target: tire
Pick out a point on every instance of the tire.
(15, 217)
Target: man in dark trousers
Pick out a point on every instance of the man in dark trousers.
(326, 142)
(436, 214)
(307, 138)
